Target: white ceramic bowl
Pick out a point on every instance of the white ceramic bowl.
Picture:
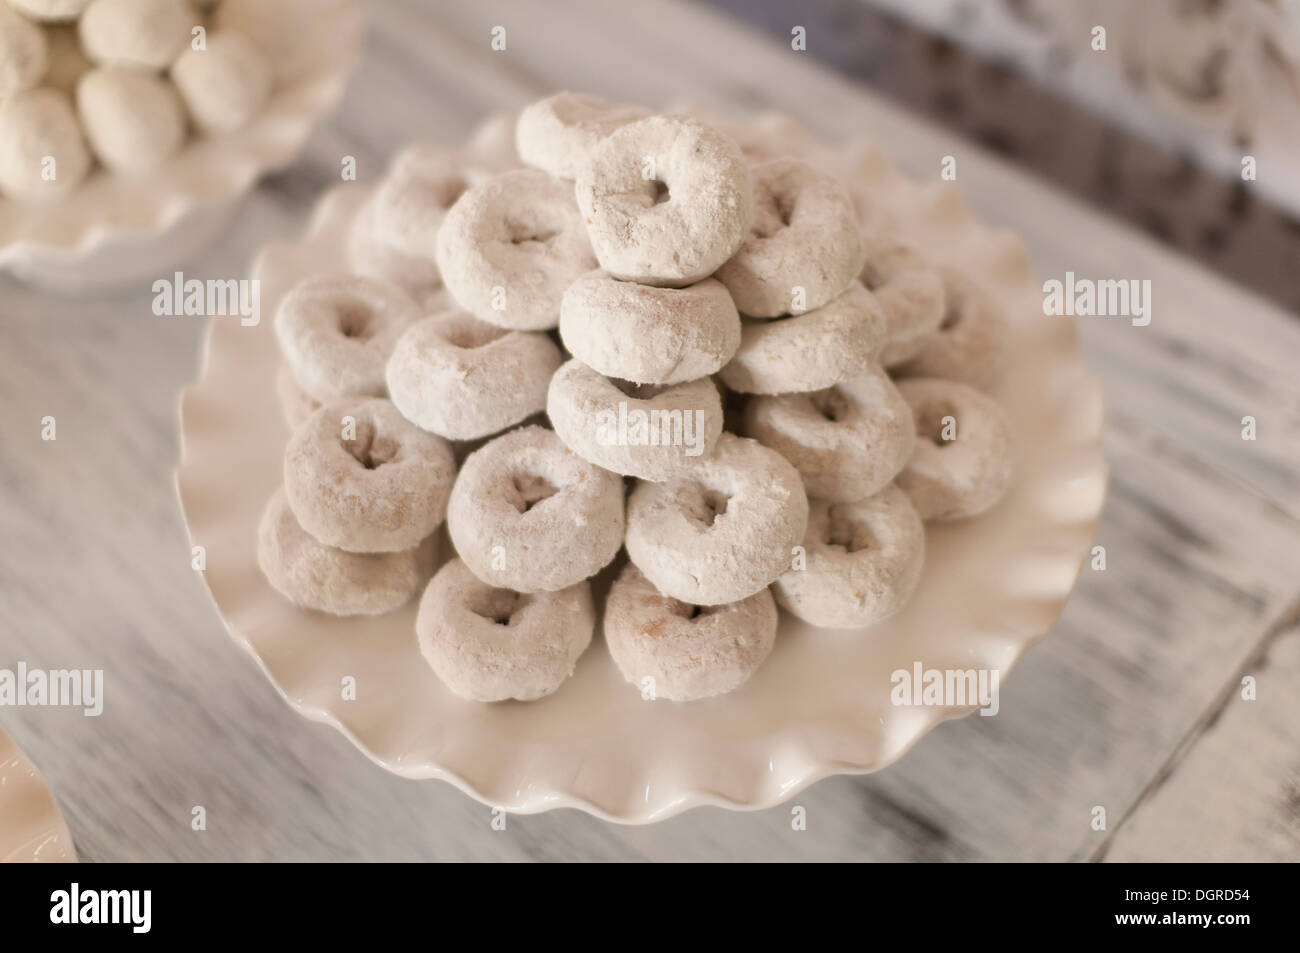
(819, 706)
(31, 827)
(111, 230)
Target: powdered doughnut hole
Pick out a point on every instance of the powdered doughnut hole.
(24, 53)
(315, 576)
(463, 378)
(847, 441)
(370, 253)
(136, 34)
(411, 202)
(911, 293)
(361, 477)
(655, 432)
(50, 11)
(722, 532)
(950, 479)
(686, 652)
(666, 200)
(133, 120)
(970, 342)
(295, 404)
(34, 125)
(225, 84)
(529, 515)
(488, 644)
(509, 248)
(338, 332)
(559, 134)
(646, 334)
(810, 351)
(864, 561)
(803, 244)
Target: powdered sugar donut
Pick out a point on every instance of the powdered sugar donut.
(684, 651)
(803, 244)
(463, 378)
(646, 431)
(723, 531)
(559, 133)
(36, 126)
(411, 202)
(137, 34)
(910, 291)
(337, 333)
(649, 335)
(847, 442)
(361, 477)
(509, 247)
(370, 253)
(810, 351)
(971, 338)
(315, 576)
(863, 562)
(489, 644)
(133, 119)
(527, 514)
(24, 53)
(666, 200)
(962, 462)
(50, 11)
(224, 84)
(295, 404)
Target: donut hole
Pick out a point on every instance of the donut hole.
(370, 448)
(930, 421)
(952, 316)
(499, 606)
(872, 278)
(355, 321)
(661, 193)
(705, 504)
(842, 531)
(832, 404)
(689, 611)
(530, 489)
(638, 391)
(470, 334)
(521, 231)
(773, 212)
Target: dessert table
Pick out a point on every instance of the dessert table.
(1133, 704)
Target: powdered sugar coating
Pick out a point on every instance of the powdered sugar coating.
(558, 134)
(911, 293)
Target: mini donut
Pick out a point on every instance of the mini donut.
(559, 133)
(492, 143)
(529, 515)
(315, 576)
(24, 53)
(649, 335)
(424, 182)
(810, 351)
(647, 431)
(666, 200)
(688, 652)
(50, 11)
(910, 291)
(295, 404)
(954, 479)
(370, 253)
(35, 127)
(133, 119)
(804, 235)
(847, 441)
(489, 645)
(722, 532)
(337, 333)
(137, 34)
(225, 84)
(510, 246)
(971, 338)
(361, 477)
(863, 561)
(67, 63)
(463, 378)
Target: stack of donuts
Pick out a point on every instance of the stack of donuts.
(754, 389)
(123, 82)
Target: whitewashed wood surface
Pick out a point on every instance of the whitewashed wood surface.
(1132, 704)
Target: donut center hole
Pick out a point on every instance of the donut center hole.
(371, 449)
(689, 612)
(638, 391)
(846, 533)
(500, 606)
(951, 318)
(706, 506)
(526, 233)
(469, 335)
(354, 322)
(659, 193)
(871, 277)
(831, 404)
(774, 212)
(930, 423)
(531, 489)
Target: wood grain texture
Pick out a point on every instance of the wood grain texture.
(1201, 527)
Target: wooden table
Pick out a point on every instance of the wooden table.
(1133, 703)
